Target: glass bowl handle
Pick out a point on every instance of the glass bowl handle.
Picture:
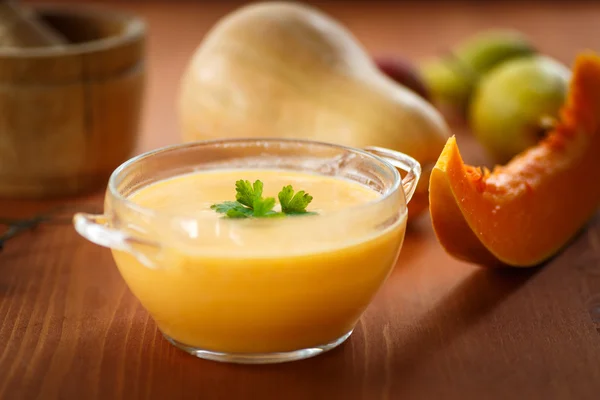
(96, 229)
(403, 162)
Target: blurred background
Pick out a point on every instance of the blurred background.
(412, 29)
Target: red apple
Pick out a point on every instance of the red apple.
(403, 72)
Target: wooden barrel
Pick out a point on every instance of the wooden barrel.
(69, 115)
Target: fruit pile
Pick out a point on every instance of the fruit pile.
(507, 92)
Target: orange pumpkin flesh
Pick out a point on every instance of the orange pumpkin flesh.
(525, 212)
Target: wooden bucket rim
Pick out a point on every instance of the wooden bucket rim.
(134, 30)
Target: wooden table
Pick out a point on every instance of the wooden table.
(70, 329)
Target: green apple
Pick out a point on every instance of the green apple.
(449, 85)
(513, 103)
(488, 49)
(453, 77)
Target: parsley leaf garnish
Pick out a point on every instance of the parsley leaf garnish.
(232, 209)
(250, 203)
(263, 207)
(246, 193)
(294, 203)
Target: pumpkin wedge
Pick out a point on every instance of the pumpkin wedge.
(524, 212)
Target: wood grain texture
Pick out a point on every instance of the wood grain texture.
(439, 328)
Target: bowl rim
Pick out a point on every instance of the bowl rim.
(396, 186)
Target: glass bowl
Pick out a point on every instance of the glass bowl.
(256, 290)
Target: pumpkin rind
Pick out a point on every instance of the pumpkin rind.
(523, 213)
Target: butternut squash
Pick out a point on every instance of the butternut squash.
(523, 213)
(280, 69)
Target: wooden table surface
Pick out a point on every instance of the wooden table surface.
(439, 328)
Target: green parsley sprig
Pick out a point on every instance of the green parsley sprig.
(250, 203)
